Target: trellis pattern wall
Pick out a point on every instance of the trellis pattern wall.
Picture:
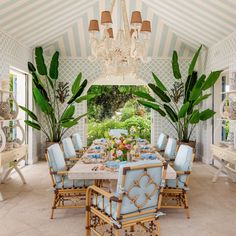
(70, 67)
(12, 53)
(221, 56)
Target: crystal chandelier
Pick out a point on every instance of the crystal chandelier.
(120, 54)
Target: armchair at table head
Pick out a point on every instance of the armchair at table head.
(118, 132)
(136, 200)
(161, 142)
(77, 141)
(170, 149)
(65, 189)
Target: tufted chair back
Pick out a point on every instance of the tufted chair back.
(170, 148)
(139, 186)
(183, 161)
(56, 160)
(118, 132)
(77, 141)
(68, 148)
(161, 142)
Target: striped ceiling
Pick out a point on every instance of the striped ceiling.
(62, 25)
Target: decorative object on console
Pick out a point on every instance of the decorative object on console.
(122, 53)
(4, 84)
(183, 117)
(5, 110)
(233, 82)
(232, 112)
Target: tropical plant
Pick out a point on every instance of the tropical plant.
(48, 92)
(181, 105)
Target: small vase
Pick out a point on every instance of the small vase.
(129, 157)
(5, 110)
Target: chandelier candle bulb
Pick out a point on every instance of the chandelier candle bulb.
(131, 32)
(106, 18)
(110, 32)
(93, 25)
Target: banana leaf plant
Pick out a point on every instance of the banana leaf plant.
(180, 105)
(55, 119)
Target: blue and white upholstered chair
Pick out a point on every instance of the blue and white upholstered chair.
(71, 156)
(170, 150)
(118, 132)
(161, 142)
(175, 192)
(64, 188)
(136, 202)
(78, 144)
(77, 141)
(68, 148)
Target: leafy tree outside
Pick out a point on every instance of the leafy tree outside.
(117, 107)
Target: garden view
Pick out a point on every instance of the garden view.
(116, 107)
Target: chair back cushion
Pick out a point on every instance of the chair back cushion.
(118, 132)
(170, 148)
(56, 160)
(68, 148)
(140, 187)
(161, 142)
(184, 161)
(77, 141)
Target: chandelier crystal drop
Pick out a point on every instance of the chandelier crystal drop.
(121, 52)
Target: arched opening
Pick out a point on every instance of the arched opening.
(116, 106)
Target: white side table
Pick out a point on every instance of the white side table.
(11, 159)
(226, 158)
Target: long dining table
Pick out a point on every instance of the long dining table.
(96, 171)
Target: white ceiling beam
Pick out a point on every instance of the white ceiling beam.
(216, 15)
(198, 19)
(182, 26)
(44, 17)
(13, 4)
(17, 13)
(53, 28)
(172, 15)
(52, 33)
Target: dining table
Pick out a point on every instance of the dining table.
(96, 168)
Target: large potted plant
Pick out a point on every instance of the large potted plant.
(50, 94)
(180, 105)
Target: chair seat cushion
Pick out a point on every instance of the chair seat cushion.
(74, 183)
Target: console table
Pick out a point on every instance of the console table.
(11, 160)
(227, 160)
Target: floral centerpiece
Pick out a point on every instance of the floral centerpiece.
(120, 147)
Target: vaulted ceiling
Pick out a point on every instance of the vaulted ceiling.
(62, 25)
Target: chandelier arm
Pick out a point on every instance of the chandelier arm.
(125, 20)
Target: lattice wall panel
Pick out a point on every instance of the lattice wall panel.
(221, 56)
(12, 53)
(69, 69)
